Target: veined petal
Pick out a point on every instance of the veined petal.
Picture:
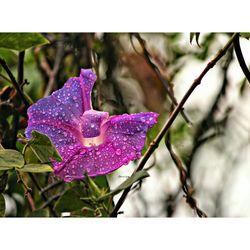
(59, 115)
(124, 139)
(91, 121)
(87, 139)
(87, 79)
(66, 139)
(66, 105)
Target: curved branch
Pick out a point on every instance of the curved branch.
(14, 82)
(172, 118)
(164, 81)
(240, 57)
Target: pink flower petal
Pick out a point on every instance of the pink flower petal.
(87, 140)
(91, 122)
(124, 139)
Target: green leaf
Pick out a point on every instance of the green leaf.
(70, 200)
(29, 156)
(21, 41)
(40, 213)
(43, 148)
(3, 181)
(10, 158)
(131, 180)
(2, 206)
(245, 35)
(36, 168)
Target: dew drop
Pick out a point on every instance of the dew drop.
(118, 152)
(83, 152)
(98, 153)
(71, 147)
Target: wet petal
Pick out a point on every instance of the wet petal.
(76, 93)
(127, 133)
(66, 105)
(59, 115)
(87, 78)
(66, 139)
(91, 122)
(87, 139)
(124, 139)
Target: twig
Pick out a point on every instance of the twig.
(16, 116)
(172, 118)
(53, 72)
(50, 186)
(50, 200)
(14, 82)
(33, 178)
(240, 57)
(5, 78)
(165, 83)
(27, 191)
(187, 188)
(208, 121)
(20, 71)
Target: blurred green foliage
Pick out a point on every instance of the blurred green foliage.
(126, 83)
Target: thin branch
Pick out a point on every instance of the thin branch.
(16, 116)
(20, 70)
(5, 78)
(51, 199)
(53, 72)
(208, 121)
(164, 81)
(27, 191)
(14, 82)
(187, 188)
(172, 118)
(52, 185)
(34, 180)
(240, 57)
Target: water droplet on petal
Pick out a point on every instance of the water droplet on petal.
(118, 152)
(71, 147)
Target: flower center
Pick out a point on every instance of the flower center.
(93, 141)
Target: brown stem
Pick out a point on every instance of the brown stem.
(14, 82)
(34, 180)
(52, 73)
(172, 118)
(27, 191)
(187, 188)
(240, 57)
(165, 83)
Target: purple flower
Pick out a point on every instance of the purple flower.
(88, 140)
